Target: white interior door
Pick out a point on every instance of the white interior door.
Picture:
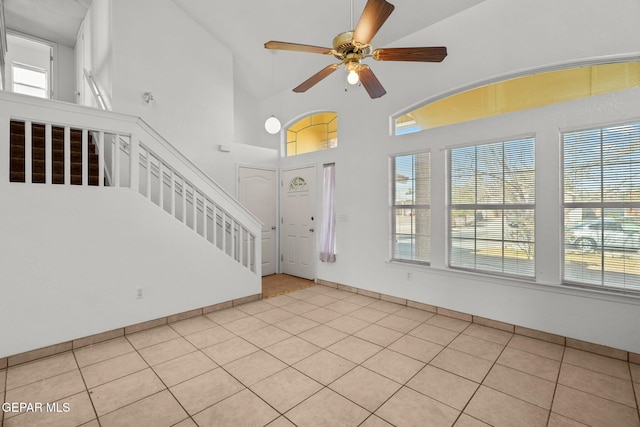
(257, 192)
(298, 209)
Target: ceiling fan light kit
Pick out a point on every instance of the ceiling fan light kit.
(352, 47)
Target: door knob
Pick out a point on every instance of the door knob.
(312, 230)
(273, 228)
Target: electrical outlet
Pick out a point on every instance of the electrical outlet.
(409, 275)
(139, 293)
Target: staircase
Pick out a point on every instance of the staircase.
(18, 164)
(164, 238)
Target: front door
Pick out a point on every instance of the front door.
(257, 192)
(298, 207)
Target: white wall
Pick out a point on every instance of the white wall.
(188, 71)
(53, 292)
(98, 49)
(246, 116)
(190, 75)
(66, 74)
(495, 38)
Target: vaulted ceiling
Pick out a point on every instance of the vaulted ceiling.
(244, 27)
(54, 20)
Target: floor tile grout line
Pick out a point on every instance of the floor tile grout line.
(633, 389)
(481, 383)
(555, 389)
(93, 406)
(161, 380)
(4, 393)
(32, 362)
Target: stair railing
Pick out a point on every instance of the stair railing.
(136, 157)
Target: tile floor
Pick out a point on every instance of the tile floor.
(324, 357)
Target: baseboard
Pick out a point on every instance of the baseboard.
(54, 349)
(520, 330)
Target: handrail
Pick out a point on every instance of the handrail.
(95, 90)
(188, 163)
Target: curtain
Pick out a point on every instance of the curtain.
(328, 232)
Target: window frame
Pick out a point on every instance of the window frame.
(393, 208)
(329, 144)
(498, 207)
(18, 65)
(601, 205)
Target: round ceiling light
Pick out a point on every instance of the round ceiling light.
(272, 125)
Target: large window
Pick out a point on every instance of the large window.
(602, 207)
(410, 208)
(491, 206)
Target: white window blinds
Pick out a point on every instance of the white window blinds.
(411, 208)
(492, 206)
(601, 204)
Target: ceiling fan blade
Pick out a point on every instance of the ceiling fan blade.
(417, 54)
(296, 47)
(375, 13)
(371, 82)
(313, 80)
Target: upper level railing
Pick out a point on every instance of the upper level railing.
(65, 144)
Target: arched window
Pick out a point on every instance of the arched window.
(521, 93)
(314, 132)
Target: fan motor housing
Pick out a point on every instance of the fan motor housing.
(344, 45)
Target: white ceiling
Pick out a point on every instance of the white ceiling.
(244, 26)
(54, 20)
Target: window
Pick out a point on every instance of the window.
(520, 93)
(491, 207)
(410, 208)
(601, 204)
(313, 133)
(29, 80)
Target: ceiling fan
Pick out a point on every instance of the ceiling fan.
(352, 47)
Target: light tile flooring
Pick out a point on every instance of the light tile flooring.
(324, 357)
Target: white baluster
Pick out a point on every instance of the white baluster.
(241, 232)
(101, 159)
(161, 185)
(134, 162)
(48, 154)
(184, 201)
(205, 217)
(234, 239)
(116, 162)
(148, 171)
(224, 231)
(214, 224)
(249, 252)
(85, 157)
(195, 209)
(67, 155)
(28, 151)
(172, 186)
